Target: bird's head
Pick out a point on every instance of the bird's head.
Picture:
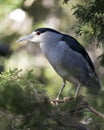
(41, 35)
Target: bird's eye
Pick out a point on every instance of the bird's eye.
(38, 33)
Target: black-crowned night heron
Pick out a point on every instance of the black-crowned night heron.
(69, 59)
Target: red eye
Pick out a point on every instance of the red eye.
(38, 33)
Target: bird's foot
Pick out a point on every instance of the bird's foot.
(68, 98)
(55, 102)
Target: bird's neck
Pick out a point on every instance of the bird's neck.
(50, 43)
(48, 46)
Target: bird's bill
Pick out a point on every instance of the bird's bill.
(25, 38)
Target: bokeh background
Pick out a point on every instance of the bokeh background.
(82, 19)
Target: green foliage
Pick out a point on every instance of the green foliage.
(21, 94)
(91, 22)
(25, 106)
(8, 5)
(91, 17)
(17, 90)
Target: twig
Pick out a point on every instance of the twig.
(66, 121)
(95, 111)
(66, 99)
(91, 109)
(82, 103)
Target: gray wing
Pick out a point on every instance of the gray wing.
(77, 62)
(74, 64)
(74, 45)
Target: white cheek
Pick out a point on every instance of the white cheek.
(35, 39)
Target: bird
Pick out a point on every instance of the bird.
(68, 58)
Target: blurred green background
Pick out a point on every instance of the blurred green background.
(82, 19)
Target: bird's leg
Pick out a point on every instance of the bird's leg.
(63, 85)
(77, 91)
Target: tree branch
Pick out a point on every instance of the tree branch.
(91, 109)
(82, 103)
